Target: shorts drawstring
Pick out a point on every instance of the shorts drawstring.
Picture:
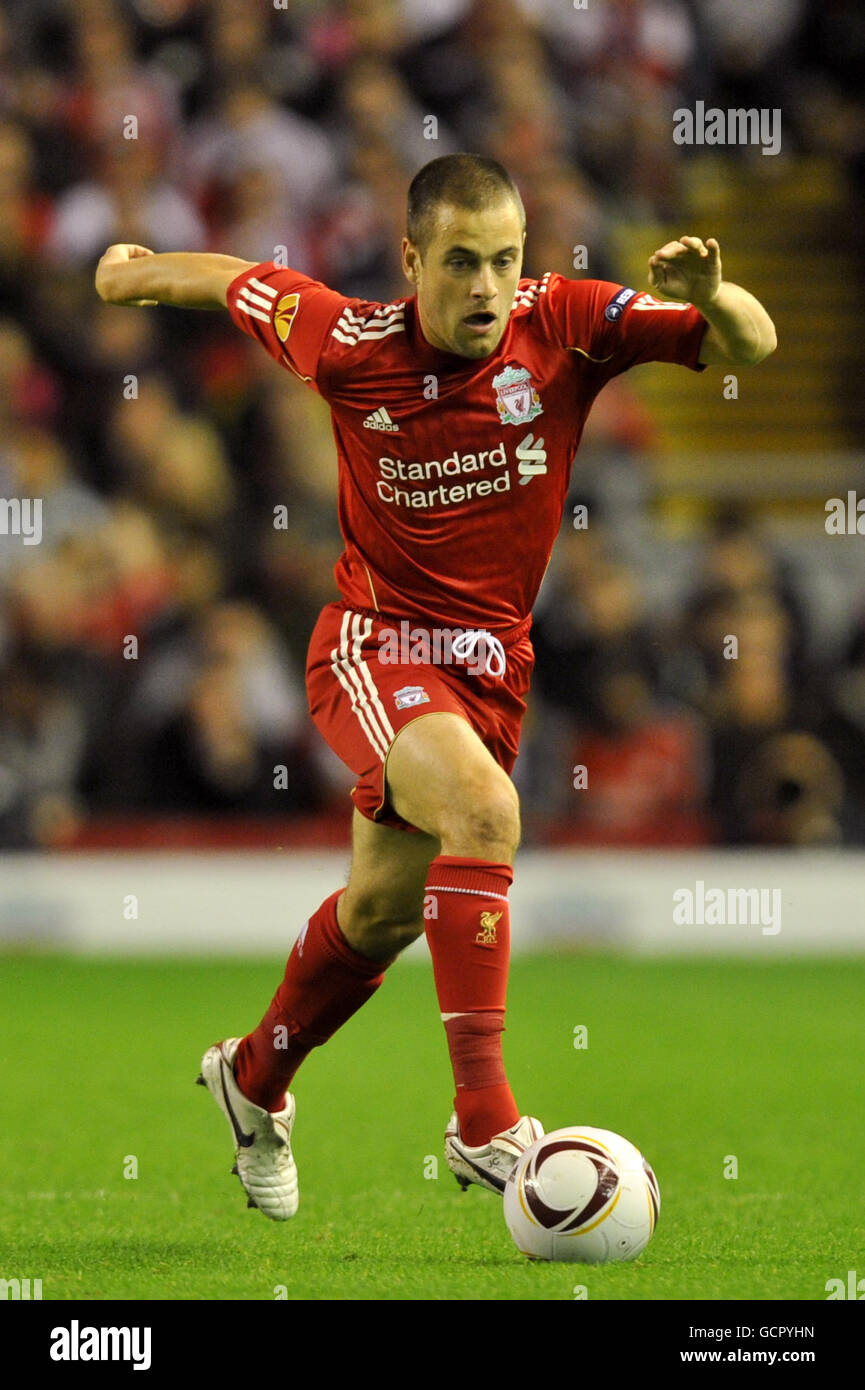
(465, 645)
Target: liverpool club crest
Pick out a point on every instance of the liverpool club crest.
(516, 398)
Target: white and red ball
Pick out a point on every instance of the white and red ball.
(582, 1194)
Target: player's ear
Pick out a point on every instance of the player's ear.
(410, 260)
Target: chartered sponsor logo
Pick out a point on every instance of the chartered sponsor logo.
(465, 467)
(532, 458)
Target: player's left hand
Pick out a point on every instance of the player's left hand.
(687, 269)
(118, 253)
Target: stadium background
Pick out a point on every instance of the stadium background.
(138, 806)
(260, 128)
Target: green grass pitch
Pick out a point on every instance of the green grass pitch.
(693, 1061)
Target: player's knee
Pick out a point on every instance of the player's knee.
(483, 822)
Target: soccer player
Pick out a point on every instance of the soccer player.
(457, 414)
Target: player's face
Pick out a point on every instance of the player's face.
(467, 277)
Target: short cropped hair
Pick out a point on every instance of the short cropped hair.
(470, 181)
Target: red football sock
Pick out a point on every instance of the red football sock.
(326, 981)
(469, 943)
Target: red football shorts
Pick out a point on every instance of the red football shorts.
(365, 681)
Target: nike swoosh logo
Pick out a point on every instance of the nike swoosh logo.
(245, 1140)
(498, 1183)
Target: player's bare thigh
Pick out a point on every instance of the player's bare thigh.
(442, 779)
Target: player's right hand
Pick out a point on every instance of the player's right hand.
(125, 251)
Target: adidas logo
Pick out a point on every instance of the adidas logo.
(380, 420)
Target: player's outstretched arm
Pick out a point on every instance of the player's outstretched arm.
(129, 274)
(740, 331)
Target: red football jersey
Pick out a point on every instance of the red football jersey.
(453, 472)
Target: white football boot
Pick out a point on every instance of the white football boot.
(262, 1146)
(490, 1164)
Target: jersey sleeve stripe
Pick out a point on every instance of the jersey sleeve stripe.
(348, 320)
(353, 341)
(347, 317)
(376, 330)
(527, 295)
(253, 313)
(644, 307)
(251, 298)
(261, 287)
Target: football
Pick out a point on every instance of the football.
(582, 1194)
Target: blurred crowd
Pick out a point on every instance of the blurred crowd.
(152, 644)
